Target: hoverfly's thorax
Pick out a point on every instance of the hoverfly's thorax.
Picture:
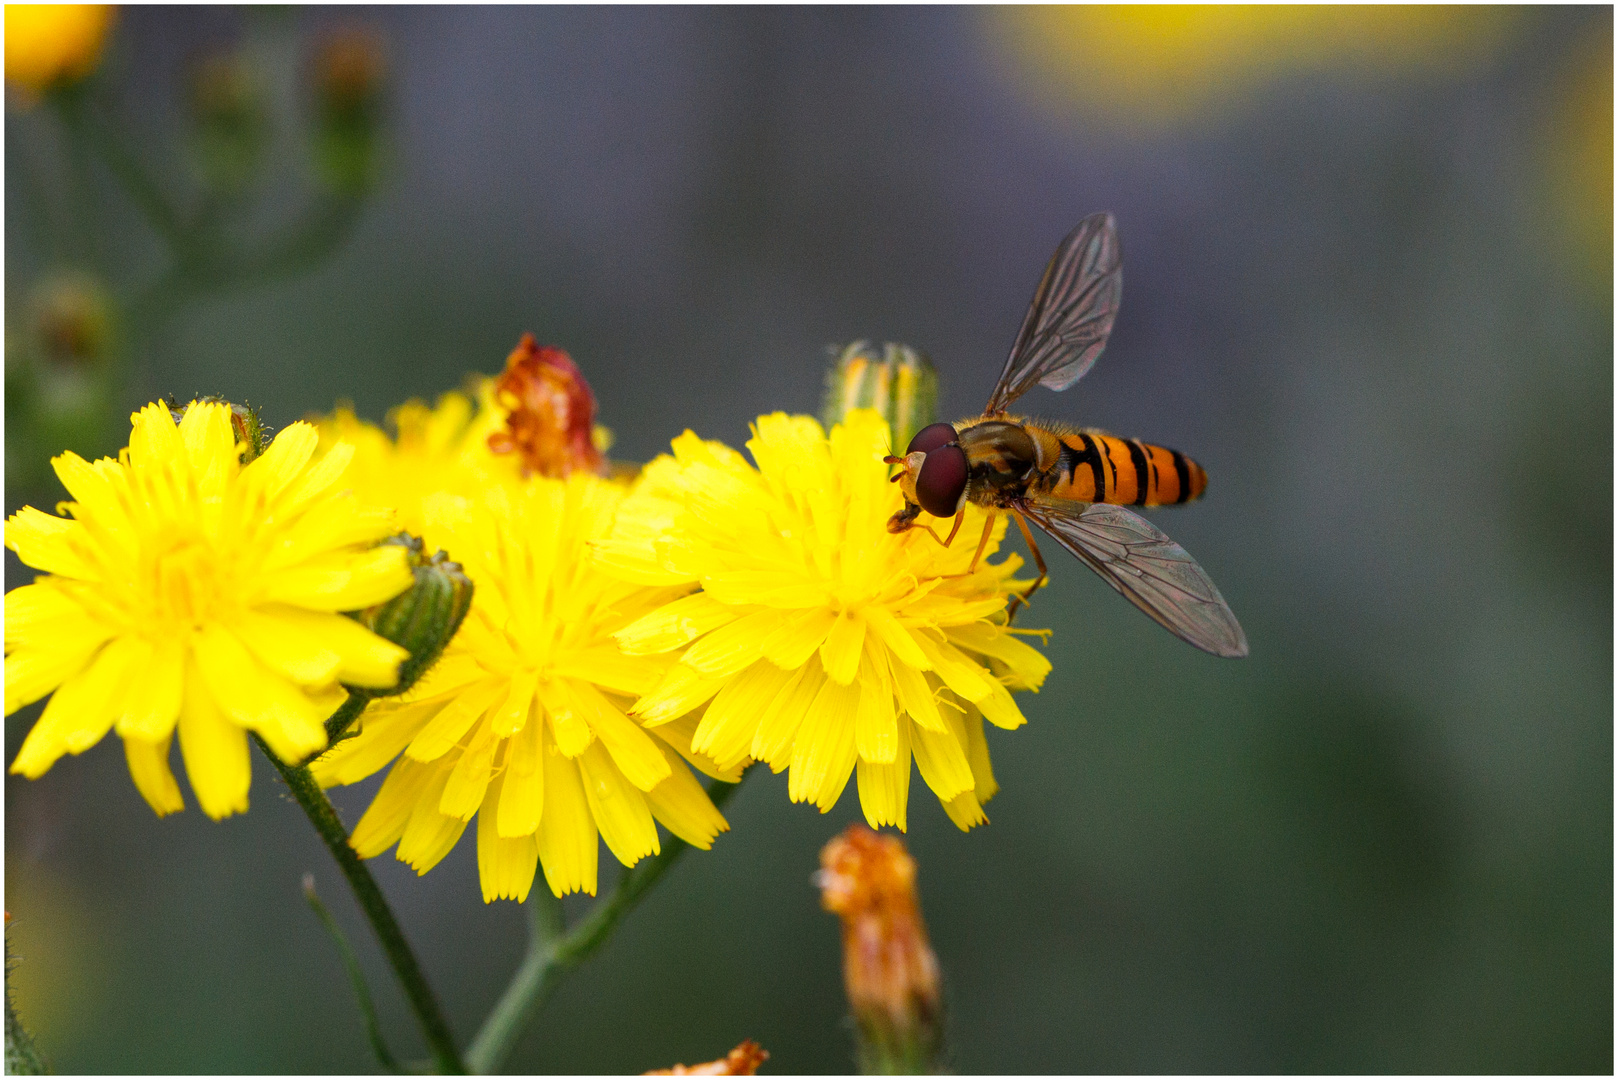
(1001, 454)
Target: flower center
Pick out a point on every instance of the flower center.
(188, 585)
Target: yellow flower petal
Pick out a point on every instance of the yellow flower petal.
(311, 647)
(632, 750)
(214, 751)
(958, 673)
(779, 724)
(725, 732)
(610, 669)
(469, 779)
(522, 797)
(823, 754)
(33, 673)
(840, 652)
(1028, 665)
(681, 690)
(674, 624)
(999, 707)
(798, 637)
(151, 705)
(896, 637)
(568, 726)
(942, 761)
(345, 583)
(683, 807)
(455, 719)
(256, 698)
(511, 715)
(506, 864)
(965, 811)
(383, 823)
(149, 766)
(388, 726)
(52, 544)
(732, 647)
(619, 808)
(429, 835)
(567, 832)
(916, 696)
(678, 734)
(885, 788)
(876, 725)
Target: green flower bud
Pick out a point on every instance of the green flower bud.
(424, 617)
(252, 433)
(233, 127)
(900, 384)
(350, 74)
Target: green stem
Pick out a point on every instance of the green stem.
(356, 978)
(434, 1029)
(552, 954)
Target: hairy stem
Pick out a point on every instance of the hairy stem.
(553, 953)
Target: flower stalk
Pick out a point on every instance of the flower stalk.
(553, 951)
(418, 992)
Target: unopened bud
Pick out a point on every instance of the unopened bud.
(232, 120)
(252, 433)
(350, 73)
(742, 1061)
(550, 421)
(72, 323)
(900, 383)
(889, 969)
(425, 616)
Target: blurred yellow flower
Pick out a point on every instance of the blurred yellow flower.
(187, 590)
(522, 724)
(1578, 157)
(51, 43)
(443, 448)
(1155, 65)
(821, 642)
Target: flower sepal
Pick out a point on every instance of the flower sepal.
(424, 617)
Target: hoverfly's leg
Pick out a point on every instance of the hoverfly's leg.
(1039, 560)
(960, 517)
(983, 542)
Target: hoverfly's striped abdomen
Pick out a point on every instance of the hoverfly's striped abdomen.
(1093, 467)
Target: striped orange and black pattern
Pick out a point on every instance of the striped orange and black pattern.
(1093, 467)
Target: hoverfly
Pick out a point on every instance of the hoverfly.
(1072, 482)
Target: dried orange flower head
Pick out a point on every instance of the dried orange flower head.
(551, 412)
(742, 1061)
(869, 881)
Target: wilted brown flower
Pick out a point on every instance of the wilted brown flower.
(742, 1061)
(889, 970)
(552, 412)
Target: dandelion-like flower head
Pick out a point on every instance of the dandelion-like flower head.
(821, 642)
(523, 723)
(439, 448)
(185, 590)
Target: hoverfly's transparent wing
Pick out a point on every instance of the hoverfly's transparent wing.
(1070, 317)
(1156, 574)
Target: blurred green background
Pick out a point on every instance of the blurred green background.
(1368, 265)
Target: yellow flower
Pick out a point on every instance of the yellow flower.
(1162, 65)
(48, 43)
(522, 724)
(826, 643)
(444, 448)
(188, 590)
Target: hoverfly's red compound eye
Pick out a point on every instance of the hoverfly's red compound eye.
(931, 437)
(942, 480)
